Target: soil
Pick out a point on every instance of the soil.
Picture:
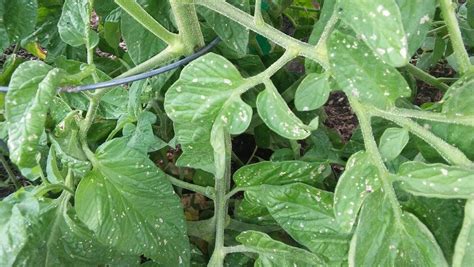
(340, 116)
(427, 93)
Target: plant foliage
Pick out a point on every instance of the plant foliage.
(228, 161)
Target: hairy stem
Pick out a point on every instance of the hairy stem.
(11, 175)
(205, 191)
(449, 16)
(450, 153)
(316, 53)
(146, 20)
(165, 56)
(425, 115)
(190, 34)
(222, 185)
(371, 146)
(426, 77)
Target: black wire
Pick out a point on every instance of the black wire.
(137, 77)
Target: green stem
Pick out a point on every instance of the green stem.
(450, 153)
(237, 190)
(316, 53)
(220, 206)
(147, 21)
(205, 191)
(449, 16)
(364, 118)
(430, 116)
(86, 124)
(426, 77)
(11, 175)
(165, 56)
(46, 188)
(190, 34)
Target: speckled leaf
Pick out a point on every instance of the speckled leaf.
(275, 253)
(74, 24)
(464, 251)
(274, 173)
(436, 180)
(392, 142)
(276, 114)
(459, 98)
(313, 92)
(48, 233)
(130, 205)
(442, 216)
(379, 23)
(382, 239)
(32, 87)
(141, 43)
(416, 18)
(307, 214)
(208, 90)
(279, 173)
(361, 75)
(234, 35)
(359, 179)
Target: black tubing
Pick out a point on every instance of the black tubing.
(137, 77)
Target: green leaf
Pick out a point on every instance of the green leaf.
(32, 87)
(307, 214)
(436, 180)
(130, 205)
(379, 23)
(65, 142)
(313, 92)
(464, 251)
(141, 136)
(17, 20)
(442, 216)
(276, 114)
(459, 98)
(53, 173)
(276, 253)
(74, 24)
(383, 239)
(279, 173)
(392, 142)
(362, 75)
(359, 179)
(416, 18)
(141, 43)
(207, 92)
(48, 233)
(234, 35)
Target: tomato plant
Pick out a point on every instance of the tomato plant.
(228, 161)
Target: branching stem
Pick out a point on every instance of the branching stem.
(364, 118)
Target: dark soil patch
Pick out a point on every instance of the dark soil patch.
(427, 93)
(340, 116)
